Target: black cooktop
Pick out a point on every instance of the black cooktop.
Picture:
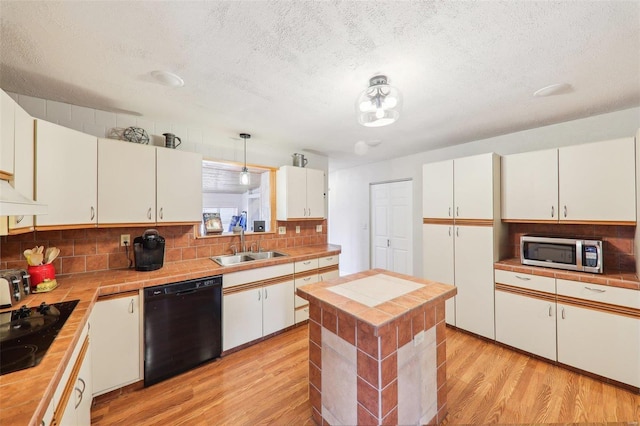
(27, 333)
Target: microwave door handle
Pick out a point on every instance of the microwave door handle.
(579, 254)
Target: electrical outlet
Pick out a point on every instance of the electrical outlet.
(318, 228)
(297, 229)
(282, 230)
(125, 239)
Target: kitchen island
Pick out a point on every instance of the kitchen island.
(377, 349)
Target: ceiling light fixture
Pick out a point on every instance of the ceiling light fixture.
(379, 104)
(554, 89)
(167, 78)
(245, 179)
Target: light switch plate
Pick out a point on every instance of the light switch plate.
(282, 230)
(297, 229)
(318, 228)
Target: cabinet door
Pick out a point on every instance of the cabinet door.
(291, 192)
(474, 279)
(277, 307)
(7, 117)
(66, 175)
(115, 343)
(526, 323)
(530, 186)
(83, 391)
(126, 182)
(474, 179)
(599, 342)
(597, 181)
(242, 317)
(438, 258)
(437, 190)
(24, 174)
(179, 186)
(315, 193)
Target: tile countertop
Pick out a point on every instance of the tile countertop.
(389, 295)
(26, 394)
(611, 278)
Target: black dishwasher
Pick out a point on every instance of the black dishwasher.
(182, 327)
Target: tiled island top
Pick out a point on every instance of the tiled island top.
(377, 349)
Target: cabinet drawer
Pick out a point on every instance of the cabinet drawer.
(328, 261)
(256, 275)
(531, 282)
(305, 265)
(298, 282)
(302, 314)
(599, 293)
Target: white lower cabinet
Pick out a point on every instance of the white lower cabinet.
(591, 327)
(73, 397)
(115, 345)
(251, 314)
(438, 261)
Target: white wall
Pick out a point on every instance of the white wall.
(349, 188)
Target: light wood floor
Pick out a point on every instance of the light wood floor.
(267, 384)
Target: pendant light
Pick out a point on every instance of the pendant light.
(245, 179)
(378, 105)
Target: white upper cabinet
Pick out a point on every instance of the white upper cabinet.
(179, 186)
(126, 182)
(473, 186)
(7, 116)
(300, 193)
(530, 186)
(463, 188)
(23, 178)
(597, 181)
(66, 175)
(437, 190)
(592, 182)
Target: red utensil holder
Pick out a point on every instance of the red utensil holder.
(41, 272)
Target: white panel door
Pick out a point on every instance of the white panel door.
(315, 193)
(126, 182)
(597, 181)
(437, 190)
(474, 279)
(242, 317)
(179, 186)
(277, 307)
(392, 227)
(66, 175)
(473, 182)
(438, 255)
(530, 185)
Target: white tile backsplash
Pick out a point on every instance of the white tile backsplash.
(125, 120)
(58, 112)
(97, 130)
(83, 115)
(105, 118)
(36, 107)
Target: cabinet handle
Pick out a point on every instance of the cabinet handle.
(563, 316)
(449, 231)
(81, 392)
(565, 211)
(306, 279)
(457, 211)
(131, 307)
(329, 258)
(458, 231)
(388, 243)
(259, 295)
(523, 278)
(149, 213)
(265, 294)
(597, 290)
(93, 212)
(549, 310)
(309, 211)
(552, 211)
(449, 211)
(19, 218)
(307, 262)
(161, 213)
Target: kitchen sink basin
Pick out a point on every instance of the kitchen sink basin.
(234, 259)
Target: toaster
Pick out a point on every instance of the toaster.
(15, 285)
(6, 292)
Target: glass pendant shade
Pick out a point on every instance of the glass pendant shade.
(380, 104)
(244, 176)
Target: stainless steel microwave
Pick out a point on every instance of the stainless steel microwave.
(573, 254)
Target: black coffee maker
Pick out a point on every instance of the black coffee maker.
(148, 251)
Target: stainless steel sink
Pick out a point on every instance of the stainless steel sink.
(266, 255)
(234, 259)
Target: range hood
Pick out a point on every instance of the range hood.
(12, 203)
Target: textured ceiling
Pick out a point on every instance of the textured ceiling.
(289, 72)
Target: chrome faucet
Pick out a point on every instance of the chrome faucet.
(234, 249)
